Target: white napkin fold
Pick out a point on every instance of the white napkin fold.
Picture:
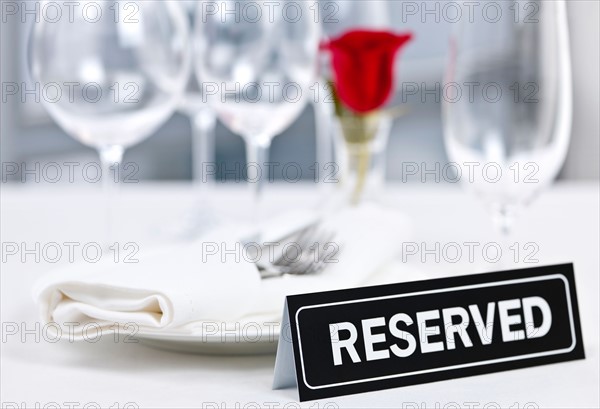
(177, 288)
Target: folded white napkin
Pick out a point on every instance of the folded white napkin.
(177, 288)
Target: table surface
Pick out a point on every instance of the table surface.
(563, 225)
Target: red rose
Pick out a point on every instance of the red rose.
(363, 65)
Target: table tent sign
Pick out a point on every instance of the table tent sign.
(365, 339)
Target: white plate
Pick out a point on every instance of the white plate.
(233, 342)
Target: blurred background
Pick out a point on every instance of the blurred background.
(29, 135)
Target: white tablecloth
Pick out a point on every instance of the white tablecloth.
(563, 223)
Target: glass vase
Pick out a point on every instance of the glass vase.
(360, 152)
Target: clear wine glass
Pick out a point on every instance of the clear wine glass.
(256, 65)
(507, 103)
(121, 67)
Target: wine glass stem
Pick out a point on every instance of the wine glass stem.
(324, 141)
(257, 156)
(110, 159)
(504, 218)
(203, 134)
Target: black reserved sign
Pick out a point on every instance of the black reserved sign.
(366, 339)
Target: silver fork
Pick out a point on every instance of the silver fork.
(309, 257)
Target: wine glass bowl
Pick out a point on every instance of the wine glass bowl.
(256, 74)
(120, 77)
